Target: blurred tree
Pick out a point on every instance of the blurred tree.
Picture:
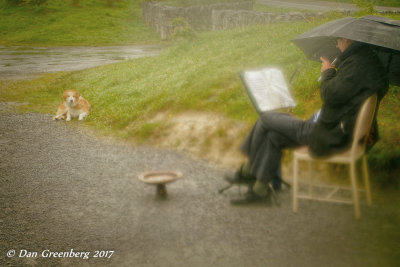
(366, 7)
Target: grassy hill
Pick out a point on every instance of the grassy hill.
(91, 22)
(199, 74)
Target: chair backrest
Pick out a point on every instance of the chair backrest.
(363, 125)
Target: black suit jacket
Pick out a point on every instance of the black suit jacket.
(359, 74)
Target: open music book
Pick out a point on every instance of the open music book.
(267, 89)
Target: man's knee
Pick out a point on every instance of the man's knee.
(268, 115)
(271, 118)
(278, 140)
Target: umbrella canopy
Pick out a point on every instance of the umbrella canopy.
(382, 34)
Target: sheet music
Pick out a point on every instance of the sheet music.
(267, 89)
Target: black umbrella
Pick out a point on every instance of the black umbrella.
(382, 34)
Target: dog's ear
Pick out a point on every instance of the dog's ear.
(76, 95)
(65, 95)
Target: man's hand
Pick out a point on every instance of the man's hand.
(326, 64)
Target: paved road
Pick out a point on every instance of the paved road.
(62, 188)
(322, 6)
(18, 62)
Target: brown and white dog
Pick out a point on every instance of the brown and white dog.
(74, 105)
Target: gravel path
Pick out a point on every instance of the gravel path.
(62, 188)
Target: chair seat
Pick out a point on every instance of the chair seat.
(342, 157)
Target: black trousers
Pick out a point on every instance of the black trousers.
(272, 133)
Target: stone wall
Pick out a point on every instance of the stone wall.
(160, 16)
(216, 16)
(226, 19)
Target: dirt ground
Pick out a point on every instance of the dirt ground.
(64, 189)
(203, 135)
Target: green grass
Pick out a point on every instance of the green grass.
(273, 9)
(390, 3)
(60, 23)
(192, 2)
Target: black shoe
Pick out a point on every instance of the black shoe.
(278, 183)
(239, 178)
(251, 198)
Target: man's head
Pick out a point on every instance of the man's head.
(343, 43)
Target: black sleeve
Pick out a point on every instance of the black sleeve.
(339, 86)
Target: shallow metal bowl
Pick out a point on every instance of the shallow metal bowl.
(159, 177)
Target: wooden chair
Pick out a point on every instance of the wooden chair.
(350, 157)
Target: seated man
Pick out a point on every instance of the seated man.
(359, 74)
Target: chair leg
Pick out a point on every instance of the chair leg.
(366, 181)
(353, 176)
(295, 184)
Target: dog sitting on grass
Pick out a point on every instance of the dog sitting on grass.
(74, 105)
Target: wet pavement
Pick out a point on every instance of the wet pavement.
(63, 189)
(20, 62)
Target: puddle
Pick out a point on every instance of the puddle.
(17, 62)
